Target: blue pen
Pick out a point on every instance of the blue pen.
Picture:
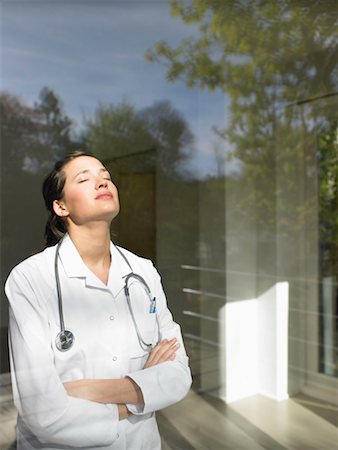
(153, 306)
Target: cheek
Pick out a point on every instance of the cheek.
(74, 197)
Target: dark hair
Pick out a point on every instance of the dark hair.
(52, 189)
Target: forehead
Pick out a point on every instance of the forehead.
(82, 163)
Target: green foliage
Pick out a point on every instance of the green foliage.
(115, 131)
(328, 197)
(277, 51)
(264, 56)
(54, 125)
(18, 127)
(122, 130)
(33, 137)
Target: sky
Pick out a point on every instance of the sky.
(91, 52)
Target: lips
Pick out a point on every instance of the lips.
(104, 196)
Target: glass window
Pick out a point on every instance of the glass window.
(218, 123)
(328, 233)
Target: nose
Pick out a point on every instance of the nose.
(101, 183)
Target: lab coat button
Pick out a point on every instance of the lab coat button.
(117, 436)
(114, 358)
(111, 317)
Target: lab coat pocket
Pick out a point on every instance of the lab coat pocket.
(137, 359)
(141, 341)
(143, 330)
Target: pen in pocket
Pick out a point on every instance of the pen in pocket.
(153, 306)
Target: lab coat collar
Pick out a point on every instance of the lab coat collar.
(75, 267)
(71, 259)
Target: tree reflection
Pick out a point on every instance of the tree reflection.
(32, 137)
(264, 56)
(137, 143)
(328, 197)
(119, 131)
(277, 63)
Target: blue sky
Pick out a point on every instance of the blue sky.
(93, 51)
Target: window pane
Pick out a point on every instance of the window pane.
(218, 124)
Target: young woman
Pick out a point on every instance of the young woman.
(94, 349)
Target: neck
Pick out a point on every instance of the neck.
(92, 242)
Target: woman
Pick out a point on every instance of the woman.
(123, 357)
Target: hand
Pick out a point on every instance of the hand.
(123, 412)
(164, 351)
(85, 389)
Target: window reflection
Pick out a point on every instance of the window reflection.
(231, 191)
(328, 239)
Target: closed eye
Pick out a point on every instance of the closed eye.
(82, 181)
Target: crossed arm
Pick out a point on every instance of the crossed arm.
(124, 390)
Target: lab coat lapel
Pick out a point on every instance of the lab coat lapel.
(71, 260)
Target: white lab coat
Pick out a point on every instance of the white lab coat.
(106, 346)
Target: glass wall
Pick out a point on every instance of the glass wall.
(218, 122)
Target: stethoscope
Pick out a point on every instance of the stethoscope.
(65, 338)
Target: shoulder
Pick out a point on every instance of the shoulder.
(40, 260)
(38, 267)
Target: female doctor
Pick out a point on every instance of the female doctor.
(94, 350)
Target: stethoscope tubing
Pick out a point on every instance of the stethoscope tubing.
(144, 345)
(58, 287)
(65, 338)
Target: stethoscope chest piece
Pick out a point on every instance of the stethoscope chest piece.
(64, 340)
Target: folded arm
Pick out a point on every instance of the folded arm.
(124, 390)
(165, 378)
(163, 384)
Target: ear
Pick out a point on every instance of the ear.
(60, 208)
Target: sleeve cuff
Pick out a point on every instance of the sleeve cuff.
(136, 409)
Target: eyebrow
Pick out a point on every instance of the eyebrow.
(85, 171)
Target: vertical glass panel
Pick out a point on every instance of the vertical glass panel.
(328, 252)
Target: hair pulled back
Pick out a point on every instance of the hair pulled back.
(52, 189)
